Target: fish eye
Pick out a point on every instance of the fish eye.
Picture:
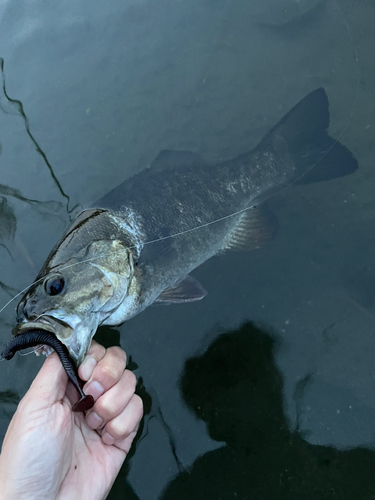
(54, 285)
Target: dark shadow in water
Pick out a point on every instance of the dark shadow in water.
(9, 401)
(8, 225)
(107, 336)
(237, 389)
(18, 106)
(9, 397)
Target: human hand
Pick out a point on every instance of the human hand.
(49, 452)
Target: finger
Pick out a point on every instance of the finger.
(106, 373)
(95, 354)
(49, 385)
(126, 444)
(121, 427)
(47, 388)
(112, 402)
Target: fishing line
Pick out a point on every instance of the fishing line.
(175, 235)
(26, 353)
(239, 212)
(19, 293)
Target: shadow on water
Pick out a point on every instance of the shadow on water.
(8, 225)
(9, 401)
(236, 388)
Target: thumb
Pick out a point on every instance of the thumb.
(49, 385)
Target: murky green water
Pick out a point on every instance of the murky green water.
(94, 91)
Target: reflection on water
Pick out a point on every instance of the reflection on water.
(14, 106)
(237, 389)
(8, 220)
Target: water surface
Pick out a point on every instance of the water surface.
(94, 91)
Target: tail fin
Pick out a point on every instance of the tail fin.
(301, 142)
(337, 162)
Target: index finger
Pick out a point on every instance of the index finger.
(95, 354)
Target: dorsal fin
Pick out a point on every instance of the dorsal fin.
(168, 159)
(256, 227)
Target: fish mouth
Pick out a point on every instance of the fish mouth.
(58, 327)
(72, 330)
(53, 325)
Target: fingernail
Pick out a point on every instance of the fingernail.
(95, 389)
(108, 439)
(93, 420)
(87, 367)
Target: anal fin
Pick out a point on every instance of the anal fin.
(256, 227)
(187, 290)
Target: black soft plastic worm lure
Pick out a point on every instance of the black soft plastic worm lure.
(32, 338)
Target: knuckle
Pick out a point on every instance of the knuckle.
(96, 350)
(131, 379)
(138, 404)
(119, 428)
(106, 372)
(117, 352)
(106, 406)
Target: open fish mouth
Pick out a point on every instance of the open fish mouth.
(32, 325)
(48, 324)
(72, 330)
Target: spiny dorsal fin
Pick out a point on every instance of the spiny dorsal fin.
(187, 290)
(168, 159)
(256, 226)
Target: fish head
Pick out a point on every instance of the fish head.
(72, 299)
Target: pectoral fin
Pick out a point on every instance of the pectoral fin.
(255, 228)
(187, 290)
(162, 251)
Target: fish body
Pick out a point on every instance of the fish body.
(138, 244)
